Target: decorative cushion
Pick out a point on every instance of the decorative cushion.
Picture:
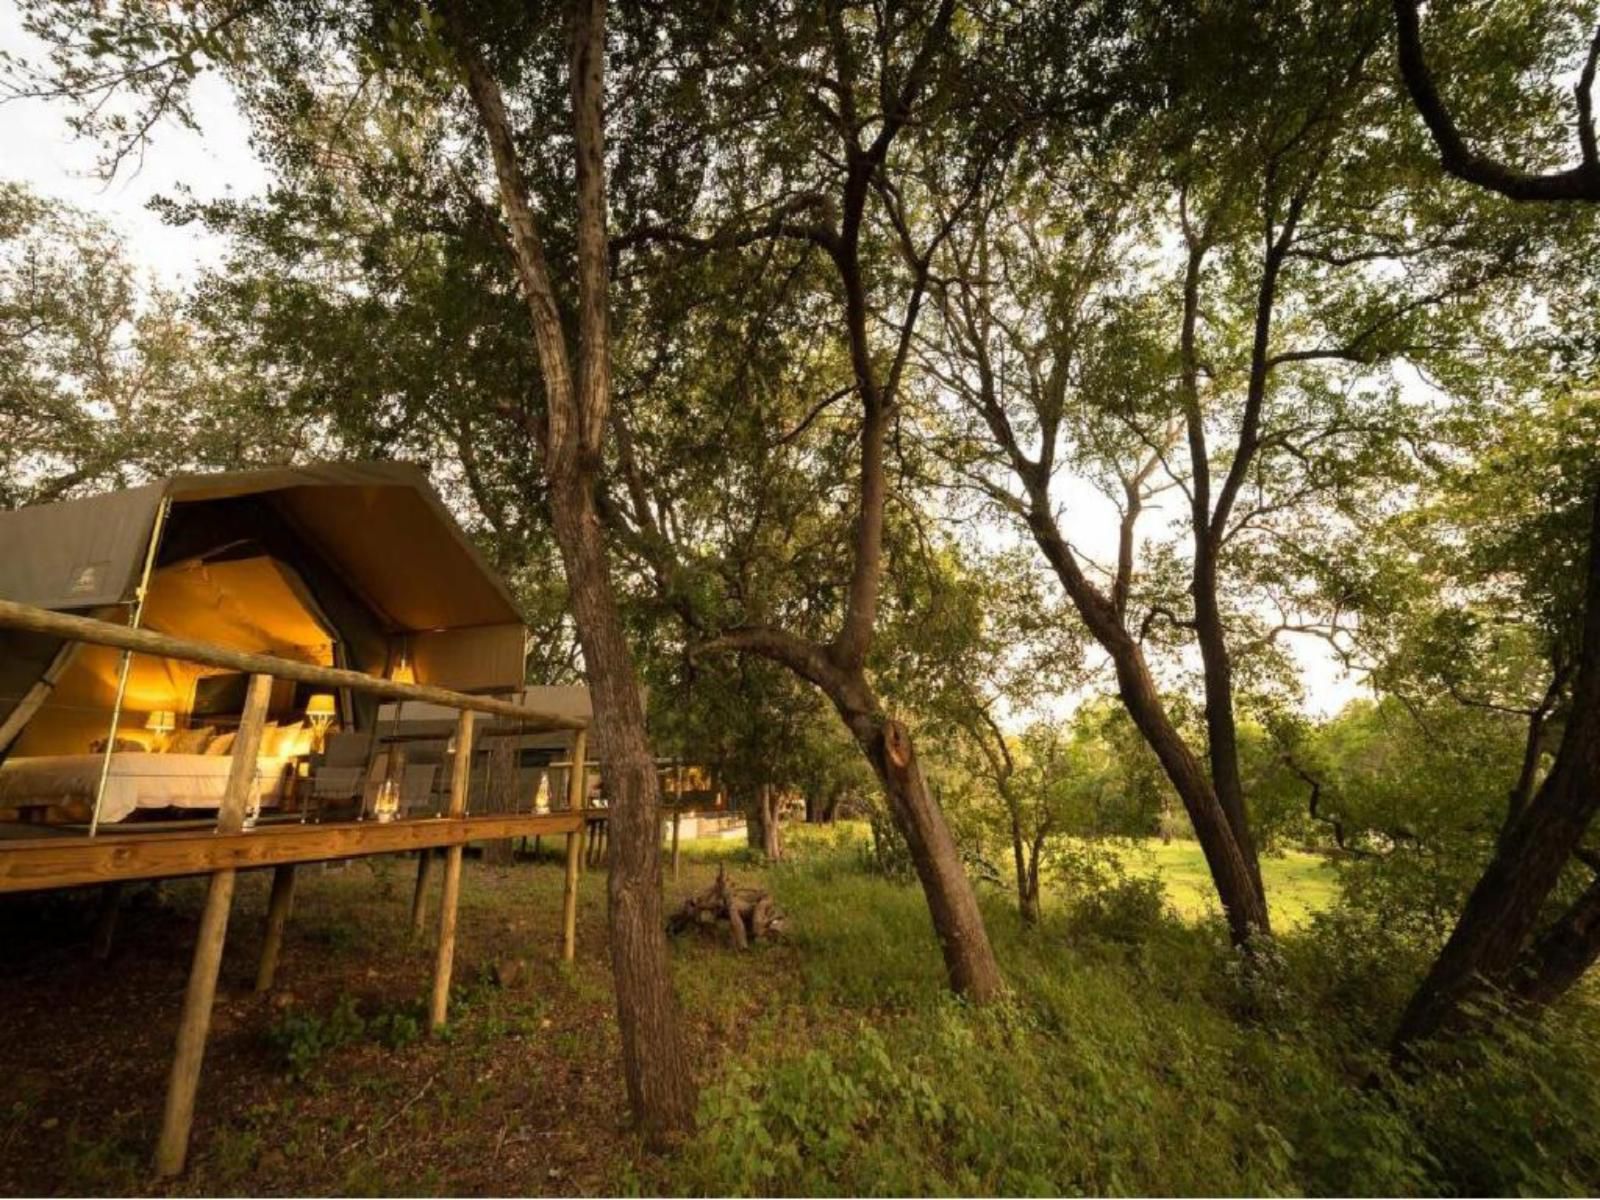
(292, 740)
(191, 741)
(221, 744)
(123, 746)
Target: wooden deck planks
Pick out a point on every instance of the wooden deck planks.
(27, 865)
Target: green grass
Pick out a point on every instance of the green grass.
(1298, 884)
(1130, 1058)
(1136, 1052)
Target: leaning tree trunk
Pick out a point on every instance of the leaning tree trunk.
(1563, 952)
(655, 1063)
(957, 921)
(1237, 887)
(1222, 733)
(1489, 941)
(1243, 899)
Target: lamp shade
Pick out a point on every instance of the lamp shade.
(161, 721)
(320, 708)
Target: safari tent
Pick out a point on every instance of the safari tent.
(349, 565)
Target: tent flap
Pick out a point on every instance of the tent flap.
(488, 658)
(79, 553)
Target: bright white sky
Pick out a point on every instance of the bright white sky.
(38, 149)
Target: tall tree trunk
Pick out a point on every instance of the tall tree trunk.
(755, 820)
(1243, 901)
(1222, 734)
(660, 1087)
(838, 668)
(655, 1064)
(1500, 915)
(1034, 851)
(830, 808)
(771, 806)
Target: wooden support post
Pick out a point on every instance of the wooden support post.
(569, 893)
(183, 1083)
(419, 897)
(460, 780)
(105, 921)
(279, 905)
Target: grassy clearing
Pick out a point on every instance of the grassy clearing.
(1299, 885)
(1133, 1057)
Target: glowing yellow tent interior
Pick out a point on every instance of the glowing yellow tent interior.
(355, 565)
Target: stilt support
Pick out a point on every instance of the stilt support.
(177, 1119)
(279, 905)
(105, 922)
(460, 780)
(419, 898)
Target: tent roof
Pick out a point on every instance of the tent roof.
(381, 525)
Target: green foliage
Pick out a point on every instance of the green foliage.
(1125, 909)
(300, 1040)
(1153, 1065)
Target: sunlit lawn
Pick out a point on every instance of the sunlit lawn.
(1298, 884)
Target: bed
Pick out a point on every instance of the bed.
(67, 782)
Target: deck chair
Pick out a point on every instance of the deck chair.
(336, 784)
(418, 790)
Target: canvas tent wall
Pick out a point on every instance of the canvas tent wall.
(348, 564)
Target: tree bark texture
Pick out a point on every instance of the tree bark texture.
(660, 1087)
(1490, 939)
(957, 920)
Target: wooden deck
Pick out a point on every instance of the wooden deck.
(62, 859)
(35, 864)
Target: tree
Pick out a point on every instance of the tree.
(1491, 942)
(102, 379)
(852, 119)
(1251, 381)
(577, 390)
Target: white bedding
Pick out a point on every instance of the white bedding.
(135, 781)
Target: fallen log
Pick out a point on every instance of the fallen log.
(750, 913)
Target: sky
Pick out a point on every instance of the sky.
(38, 148)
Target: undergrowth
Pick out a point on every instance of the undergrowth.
(1135, 1054)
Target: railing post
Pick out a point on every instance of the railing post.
(184, 1081)
(569, 893)
(460, 779)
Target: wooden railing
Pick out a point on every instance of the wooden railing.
(221, 853)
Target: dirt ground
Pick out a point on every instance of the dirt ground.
(327, 1085)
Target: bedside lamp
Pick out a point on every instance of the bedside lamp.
(320, 711)
(161, 723)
